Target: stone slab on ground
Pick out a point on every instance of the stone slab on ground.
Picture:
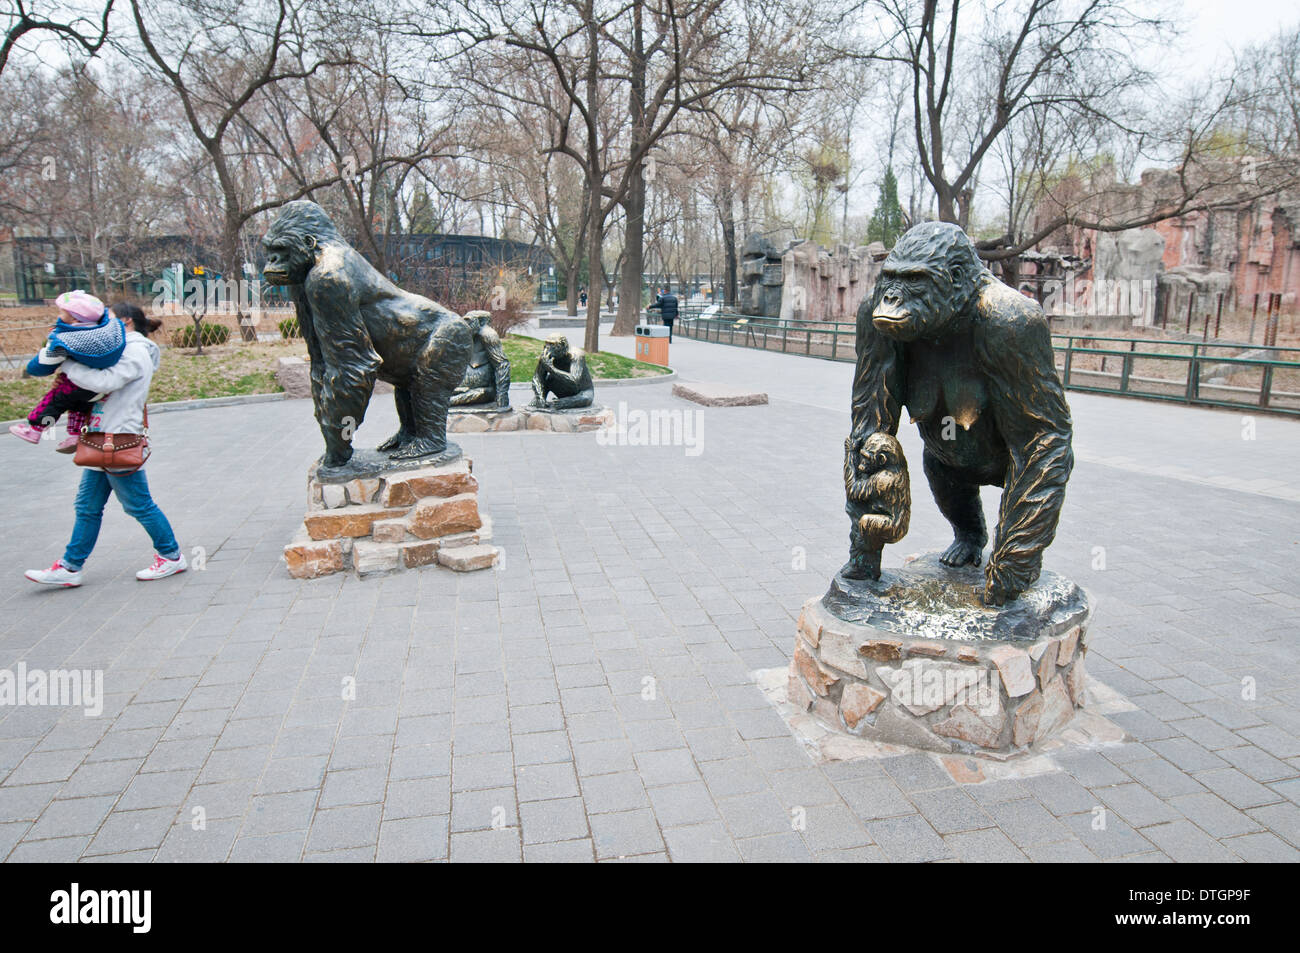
(511, 419)
(718, 395)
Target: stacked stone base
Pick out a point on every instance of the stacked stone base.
(995, 697)
(392, 521)
(491, 420)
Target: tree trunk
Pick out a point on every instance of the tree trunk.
(595, 233)
(231, 265)
(571, 285)
(629, 296)
(629, 299)
(731, 290)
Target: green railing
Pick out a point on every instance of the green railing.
(1218, 374)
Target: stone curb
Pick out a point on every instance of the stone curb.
(233, 401)
(197, 404)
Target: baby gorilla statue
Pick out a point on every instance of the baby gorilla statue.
(562, 372)
(879, 501)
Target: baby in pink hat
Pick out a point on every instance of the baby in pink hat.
(86, 333)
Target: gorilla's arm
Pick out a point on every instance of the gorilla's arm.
(1014, 346)
(877, 380)
(496, 355)
(541, 376)
(576, 388)
(877, 384)
(344, 361)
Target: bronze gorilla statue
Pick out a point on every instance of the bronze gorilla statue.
(359, 326)
(487, 379)
(972, 361)
(562, 372)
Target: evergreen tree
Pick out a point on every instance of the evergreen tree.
(887, 220)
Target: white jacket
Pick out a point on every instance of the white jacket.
(126, 385)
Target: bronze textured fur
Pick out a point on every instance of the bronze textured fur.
(360, 327)
(880, 498)
(972, 361)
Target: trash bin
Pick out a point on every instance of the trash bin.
(652, 344)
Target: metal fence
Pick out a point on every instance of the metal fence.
(1218, 374)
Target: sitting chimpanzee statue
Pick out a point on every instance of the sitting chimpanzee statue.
(359, 326)
(972, 361)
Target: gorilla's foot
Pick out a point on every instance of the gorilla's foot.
(416, 447)
(963, 552)
(336, 458)
(392, 443)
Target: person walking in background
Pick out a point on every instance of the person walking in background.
(582, 297)
(666, 305)
(122, 411)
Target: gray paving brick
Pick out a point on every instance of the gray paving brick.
(786, 848)
(553, 821)
(1187, 843)
(412, 839)
(127, 831)
(612, 793)
(208, 845)
(1236, 788)
(279, 813)
(344, 827)
(908, 839)
(950, 810)
(273, 849)
(625, 834)
(564, 852)
(984, 846)
(1026, 822)
(68, 818)
(1263, 848)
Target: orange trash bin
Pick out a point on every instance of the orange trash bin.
(652, 344)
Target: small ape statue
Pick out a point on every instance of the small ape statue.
(487, 379)
(879, 500)
(972, 361)
(359, 326)
(562, 372)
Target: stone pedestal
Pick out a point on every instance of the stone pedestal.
(493, 420)
(378, 516)
(916, 659)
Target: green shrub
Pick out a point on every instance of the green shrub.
(209, 334)
(289, 329)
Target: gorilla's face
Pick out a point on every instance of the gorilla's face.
(557, 355)
(915, 301)
(288, 258)
(931, 274)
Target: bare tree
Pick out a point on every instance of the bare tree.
(75, 28)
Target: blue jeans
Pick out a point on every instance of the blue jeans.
(132, 491)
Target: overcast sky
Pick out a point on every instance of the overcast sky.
(1212, 26)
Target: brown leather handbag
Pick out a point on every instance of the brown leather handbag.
(114, 452)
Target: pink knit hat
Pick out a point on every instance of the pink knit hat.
(81, 307)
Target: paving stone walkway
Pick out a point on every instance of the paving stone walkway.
(592, 698)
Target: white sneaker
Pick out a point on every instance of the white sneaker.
(163, 568)
(56, 575)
